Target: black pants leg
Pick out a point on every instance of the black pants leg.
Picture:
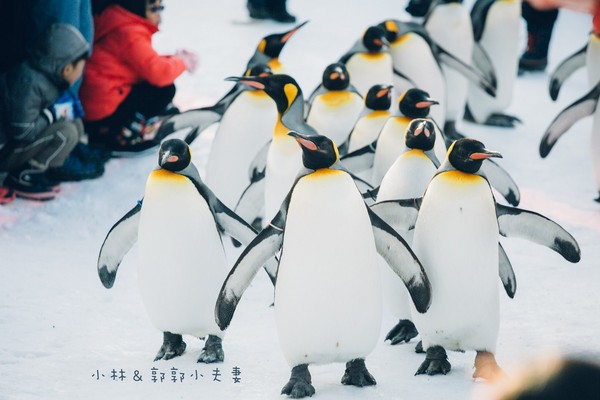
(144, 99)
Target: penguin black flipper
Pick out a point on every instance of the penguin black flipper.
(516, 222)
(581, 108)
(119, 240)
(484, 76)
(262, 248)
(234, 226)
(401, 215)
(201, 118)
(565, 69)
(405, 77)
(361, 159)
(500, 180)
(479, 13)
(507, 274)
(399, 256)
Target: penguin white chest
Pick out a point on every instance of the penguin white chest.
(367, 129)
(389, 146)
(456, 239)
(334, 113)
(368, 69)
(245, 128)
(327, 298)
(413, 57)
(182, 262)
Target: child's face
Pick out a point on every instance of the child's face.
(72, 72)
(153, 11)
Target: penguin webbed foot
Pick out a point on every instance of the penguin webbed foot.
(212, 351)
(436, 362)
(502, 120)
(486, 367)
(403, 331)
(299, 384)
(173, 346)
(419, 348)
(356, 374)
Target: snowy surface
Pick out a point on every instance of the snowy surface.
(59, 327)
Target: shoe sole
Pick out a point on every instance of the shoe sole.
(6, 200)
(35, 196)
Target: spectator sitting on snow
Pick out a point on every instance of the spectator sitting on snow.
(35, 140)
(126, 83)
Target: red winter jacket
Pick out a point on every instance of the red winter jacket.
(122, 56)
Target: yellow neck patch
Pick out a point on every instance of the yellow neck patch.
(262, 45)
(373, 56)
(415, 153)
(378, 114)
(280, 129)
(323, 173)
(161, 174)
(275, 65)
(401, 39)
(336, 98)
(258, 93)
(461, 178)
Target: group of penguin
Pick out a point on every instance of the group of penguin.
(326, 221)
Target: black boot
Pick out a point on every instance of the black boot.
(31, 183)
(539, 31)
(278, 11)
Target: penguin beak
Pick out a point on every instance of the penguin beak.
(289, 34)
(426, 103)
(302, 141)
(482, 155)
(384, 91)
(253, 82)
(422, 128)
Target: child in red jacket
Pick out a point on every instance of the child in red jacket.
(126, 83)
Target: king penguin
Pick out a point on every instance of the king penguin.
(583, 107)
(327, 295)
(376, 112)
(449, 25)
(182, 262)
(457, 224)
(419, 58)
(275, 172)
(335, 105)
(245, 128)
(369, 61)
(266, 54)
(496, 27)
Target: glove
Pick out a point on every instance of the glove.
(189, 59)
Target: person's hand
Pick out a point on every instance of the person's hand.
(189, 59)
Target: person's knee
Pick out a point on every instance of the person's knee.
(68, 133)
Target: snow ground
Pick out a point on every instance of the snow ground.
(62, 332)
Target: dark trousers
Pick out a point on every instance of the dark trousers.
(144, 99)
(538, 20)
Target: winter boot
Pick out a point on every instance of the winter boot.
(539, 31)
(86, 153)
(74, 169)
(31, 183)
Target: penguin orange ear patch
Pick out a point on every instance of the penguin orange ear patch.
(306, 143)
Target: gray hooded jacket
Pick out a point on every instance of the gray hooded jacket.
(35, 84)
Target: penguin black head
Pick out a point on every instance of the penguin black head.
(283, 89)
(420, 134)
(335, 77)
(259, 70)
(374, 39)
(390, 27)
(317, 151)
(174, 155)
(467, 155)
(272, 45)
(415, 103)
(379, 97)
